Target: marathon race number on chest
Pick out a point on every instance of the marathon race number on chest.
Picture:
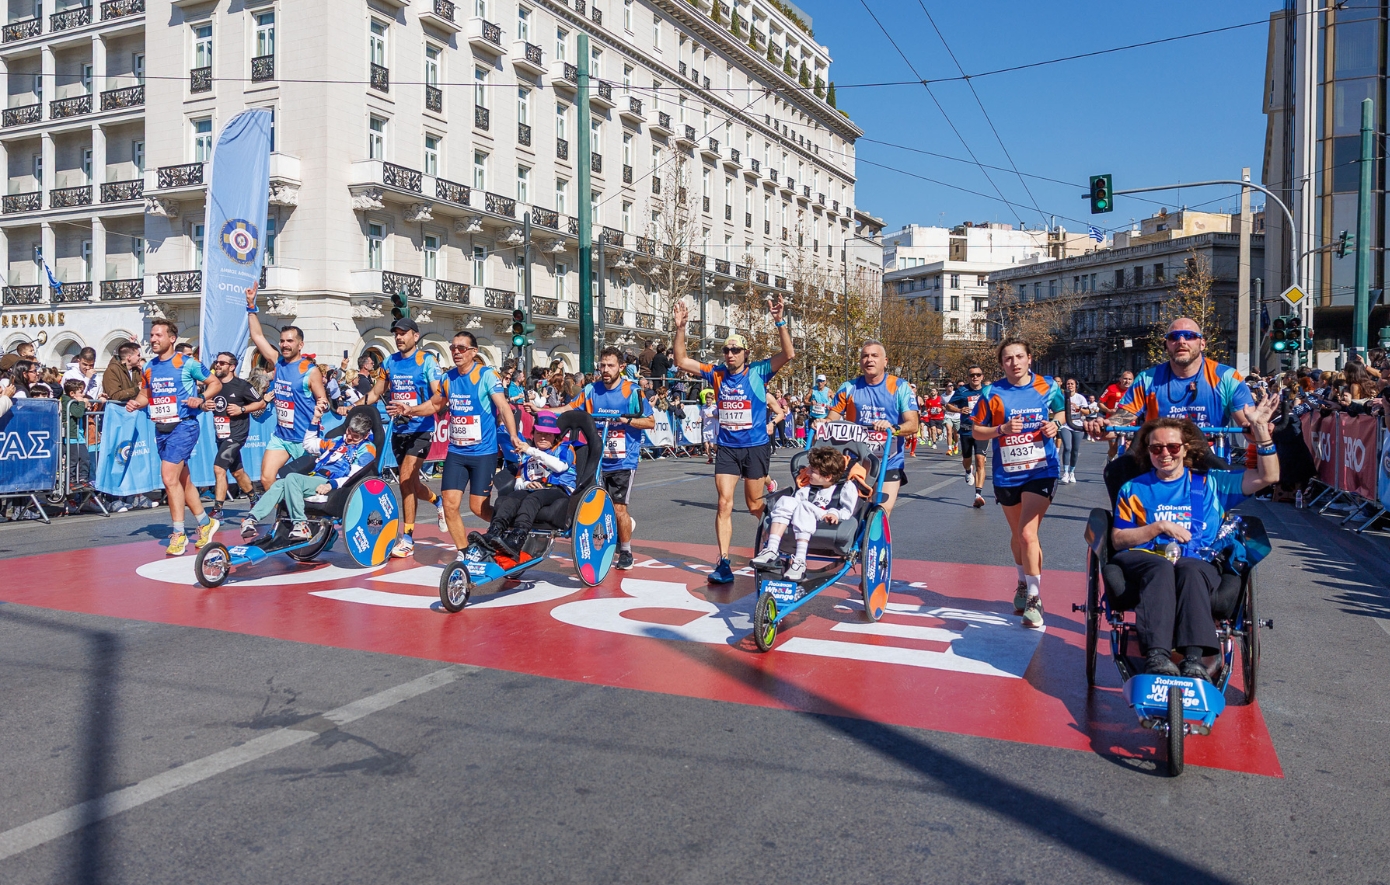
(1021, 452)
(736, 414)
(616, 444)
(465, 430)
(164, 403)
(403, 392)
(223, 425)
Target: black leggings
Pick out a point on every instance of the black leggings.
(1174, 608)
(518, 509)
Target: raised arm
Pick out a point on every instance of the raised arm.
(264, 347)
(778, 310)
(680, 315)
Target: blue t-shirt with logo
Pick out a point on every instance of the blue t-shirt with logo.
(472, 416)
(410, 380)
(1147, 499)
(294, 399)
(1209, 398)
(1022, 457)
(741, 398)
(964, 398)
(863, 403)
(168, 382)
(623, 446)
(821, 398)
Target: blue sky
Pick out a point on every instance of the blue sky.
(1181, 111)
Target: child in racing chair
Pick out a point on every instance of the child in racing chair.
(338, 460)
(546, 475)
(828, 495)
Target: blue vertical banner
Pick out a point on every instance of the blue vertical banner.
(238, 197)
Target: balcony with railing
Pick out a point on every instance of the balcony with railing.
(613, 316)
(545, 218)
(262, 68)
(200, 79)
(596, 163)
(721, 266)
(646, 321)
(748, 220)
(68, 19)
(695, 259)
(711, 149)
(21, 30)
(392, 283)
(596, 15)
(754, 164)
(179, 282)
(572, 310)
(528, 57)
(119, 99)
(121, 191)
(451, 192)
(743, 271)
(767, 227)
(611, 236)
(22, 115)
(402, 177)
(73, 293)
(185, 175)
(23, 295)
(451, 293)
(499, 299)
(113, 9)
(523, 135)
(499, 205)
(562, 149)
(662, 126)
(735, 158)
(76, 106)
(380, 78)
(646, 246)
(442, 14)
(760, 278)
(544, 307)
(30, 202)
(602, 96)
(687, 137)
(704, 204)
(632, 112)
(482, 117)
(656, 184)
(780, 282)
(484, 36)
(434, 99)
(564, 75)
(728, 213)
(627, 175)
(122, 290)
(68, 197)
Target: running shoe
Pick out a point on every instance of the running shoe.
(1158, 662)
(1020, 597)
(723, 572)
(215, 511)
(767, 558)
(249, 529)
(300, 532)
(969, 478)
(443, 523)
(177, 545)
(979, 499)
(404, 547)
(1033, 613)
(1193, 668)
(624, 560)
(205, 532)
(796, 570)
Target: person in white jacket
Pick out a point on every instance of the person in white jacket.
(827, 497)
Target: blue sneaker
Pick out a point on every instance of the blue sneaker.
(723, 573)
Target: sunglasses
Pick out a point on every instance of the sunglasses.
(977, 374)
(460, 348)
(222, 363)
(733, 350)
(1184, 335)
(1172, 448)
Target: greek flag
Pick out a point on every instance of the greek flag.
(52, 280)
(1096, 234)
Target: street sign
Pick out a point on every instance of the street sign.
(1293, 295)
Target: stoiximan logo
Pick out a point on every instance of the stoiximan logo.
(239, 240)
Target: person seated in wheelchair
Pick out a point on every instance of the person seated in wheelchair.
(828, 495)
(338, 460)
(546, 475)
(1166, 526)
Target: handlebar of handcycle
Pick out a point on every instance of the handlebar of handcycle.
(1210, 431)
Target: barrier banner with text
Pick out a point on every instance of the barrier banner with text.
(29, 446)
(1356, 472)
(1319, 433)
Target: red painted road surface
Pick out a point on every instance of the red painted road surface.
(948, 656)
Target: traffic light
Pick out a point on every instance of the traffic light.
(1278, 336)
(1101, 194)
(1308, 341)
(521, 329)
(1294, 333)
(1345, 241)
(400, 304)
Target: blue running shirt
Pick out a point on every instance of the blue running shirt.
(1210, 398)
(1023, 457)
(472, 417)
(742, 403)
(623, 447)
(294, 399)
(965, 398)
(409, 380)
(820, 402)
(1147, 499)
(863, 403)
(168, 383)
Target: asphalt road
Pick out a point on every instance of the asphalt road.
(140, 752)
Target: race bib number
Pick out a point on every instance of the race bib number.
(284, 413)
(465, 430)
(1022, 452)
(164, 409)
(223, 426)
(405, 398)
(736, 414)
(616, 444)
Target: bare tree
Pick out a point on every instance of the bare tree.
(662, 257)
(1192, 298)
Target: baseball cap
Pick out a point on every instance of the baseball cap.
(820, 378)
(736, 341)
(405, 324)
(547, 422)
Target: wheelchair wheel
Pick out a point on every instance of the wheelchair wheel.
(316, 546)
(1175, 731)
(455, 586)
(876, 563)
(594, 537)
(1250, 642)
(1092, 614)
(371, 522)
(213, 565)
(765, 621)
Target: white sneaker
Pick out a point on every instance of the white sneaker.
(404, 547)
(443, 523)
(796, 570)
(766, 558)
(969, 478)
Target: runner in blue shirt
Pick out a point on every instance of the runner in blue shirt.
(609, 399)
(818, 401)
(740, 390)
(972, 454)
(884, 402)
(411, 377)
(1022, 413)
(170, 392)
(299, 392)
(1166, 521)
(476, 402)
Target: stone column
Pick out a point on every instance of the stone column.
(47, 69)
(98, 256)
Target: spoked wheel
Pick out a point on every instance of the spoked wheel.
(315, 547)
(213, 565)
(1175, 731)
(455, 586)
(765, 621)
(1092, 614)
(1250, 642)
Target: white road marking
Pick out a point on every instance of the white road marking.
(179, 570)
(1384, 624)
(69, 820)
(941, 485)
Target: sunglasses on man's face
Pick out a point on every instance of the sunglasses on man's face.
(459, 348)
(1173, 449)
(977, 374)
(733, 350)
(1184, 335)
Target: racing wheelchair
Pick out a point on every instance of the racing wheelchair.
(1174, 706)
(586, 517)
(365, 511)
(865, 539)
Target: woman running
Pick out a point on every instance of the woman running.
(1021, 414)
